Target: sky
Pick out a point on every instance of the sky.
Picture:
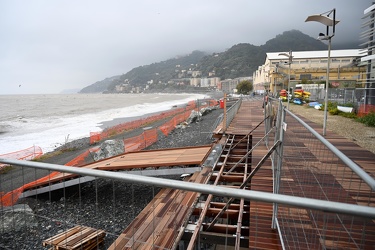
(47, 47)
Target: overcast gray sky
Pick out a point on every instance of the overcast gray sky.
(48, 46)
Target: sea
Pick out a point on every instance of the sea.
(49, 121)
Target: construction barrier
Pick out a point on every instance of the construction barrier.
(25, 154)
(167, 127)
(136, 143)
(365, 109)
(120, 128)
(10, 198)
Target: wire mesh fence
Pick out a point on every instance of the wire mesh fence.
(307, 167)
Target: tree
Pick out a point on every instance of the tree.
(244, 87)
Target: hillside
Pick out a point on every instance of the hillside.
(240, 60)
(99, 86)
(243, 59)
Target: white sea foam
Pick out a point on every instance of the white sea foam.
(49, 128)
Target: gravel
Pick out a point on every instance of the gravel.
(357, 132)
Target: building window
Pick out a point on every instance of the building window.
(305, 76)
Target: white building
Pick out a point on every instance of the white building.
(310, 65)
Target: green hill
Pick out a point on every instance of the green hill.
(240, 60)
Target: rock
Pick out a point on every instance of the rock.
(205, 111)
(109, 148)
(193, 117)
(16, 218)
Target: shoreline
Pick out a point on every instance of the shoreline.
(49, 121)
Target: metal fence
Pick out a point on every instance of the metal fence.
(307, 165)
(232, 111)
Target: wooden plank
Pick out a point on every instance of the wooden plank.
(61, 236)
(76, 238)
(95, 237)
(141, 159)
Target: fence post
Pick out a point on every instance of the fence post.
(278, 157)
(225, 113)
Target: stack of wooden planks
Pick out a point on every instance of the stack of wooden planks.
(159, 225)
(78, 237)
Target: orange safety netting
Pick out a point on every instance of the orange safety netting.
(97, 136)
(167, 127)
(25, 154)
(10, 198)
(365, 109)
(94, 137)
(136, 143)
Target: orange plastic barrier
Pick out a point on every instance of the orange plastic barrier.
(10, 198)
(147, 138)
(81, 159)
(365, 109)
(134, 144)
(94, 137)
(97, 136)
(167, 127)
(25, 154)
(150, 137)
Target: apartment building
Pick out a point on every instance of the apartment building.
(309, 67)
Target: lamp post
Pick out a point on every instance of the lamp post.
(290, 58)
(327, 21)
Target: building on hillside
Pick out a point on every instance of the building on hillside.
(196, 82)
(196, 73)
(309, 67)
(205, 82)
(214, 81)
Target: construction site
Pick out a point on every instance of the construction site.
(269, 181)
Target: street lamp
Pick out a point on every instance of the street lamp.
(327, 21)
(290, 58)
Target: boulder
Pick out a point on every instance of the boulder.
(109, 148)
(205, 111)
(193, 117)
(16, 218)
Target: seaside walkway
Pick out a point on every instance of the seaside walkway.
(189, 220)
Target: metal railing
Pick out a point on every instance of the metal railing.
(307, 165)
(232, 111)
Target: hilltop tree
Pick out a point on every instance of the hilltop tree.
(244, 87)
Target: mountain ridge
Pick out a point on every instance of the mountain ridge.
(240, 60)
